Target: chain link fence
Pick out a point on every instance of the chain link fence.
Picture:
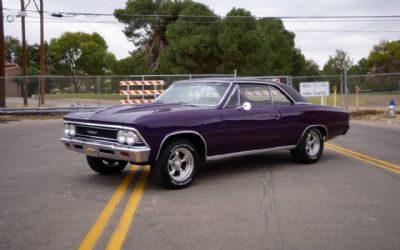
(353, 92)
(357, 92)
(80, 91)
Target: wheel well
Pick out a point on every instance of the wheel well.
(323, 130)
(197, 141)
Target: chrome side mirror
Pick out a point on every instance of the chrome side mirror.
(245, 106)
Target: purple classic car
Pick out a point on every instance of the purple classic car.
(195, 121)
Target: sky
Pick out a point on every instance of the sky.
(316, 40)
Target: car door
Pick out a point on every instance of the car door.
(291, 116)
(253, 129)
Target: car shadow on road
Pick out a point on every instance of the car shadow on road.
(248, 163)
(274, 161)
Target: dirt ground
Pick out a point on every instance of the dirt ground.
(375, 116)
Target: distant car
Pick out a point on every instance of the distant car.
(195, 121)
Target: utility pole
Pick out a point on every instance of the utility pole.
(24, 71)
(2, 61)
(42, 70)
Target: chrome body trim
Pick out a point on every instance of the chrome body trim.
(305, 103)
(107, 150)
(230, 96)
(182, 132)
(106, 126)
(250, 152)
(311, 126)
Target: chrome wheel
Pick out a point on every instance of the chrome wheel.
(180, 164)
(313, 144)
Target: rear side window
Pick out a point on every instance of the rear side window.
(278, 98)
(256, 94)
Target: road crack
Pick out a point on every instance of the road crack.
(273, 233)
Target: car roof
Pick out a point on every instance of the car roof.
(291, 92)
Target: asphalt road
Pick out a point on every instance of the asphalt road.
(50, 199)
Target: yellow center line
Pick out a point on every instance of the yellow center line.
(121, 230)
(365, 158)
(101, 222)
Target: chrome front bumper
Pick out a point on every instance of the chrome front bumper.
(107, 150)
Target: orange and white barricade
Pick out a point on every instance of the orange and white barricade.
(144, 94)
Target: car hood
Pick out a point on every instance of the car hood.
(126, 114)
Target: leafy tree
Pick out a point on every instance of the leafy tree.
(79, 54)
(385, 57)
(192, 46)
(240, 44)
(132, 65)
(169, 40)
(146, 32)
(338, 63)
(13, 49)
(283, 57)
(360, 68)
(310, 68)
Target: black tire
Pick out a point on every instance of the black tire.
(105, 166)
(310, 147)
(177, 165)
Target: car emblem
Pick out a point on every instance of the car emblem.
(92, 132)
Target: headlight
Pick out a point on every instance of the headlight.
(121, 136)
(72, 130)
(130, 138)
(66, 129)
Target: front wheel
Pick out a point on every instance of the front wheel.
(177, 165)
(310, 147)
(105, 166)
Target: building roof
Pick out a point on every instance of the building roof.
(9, 66)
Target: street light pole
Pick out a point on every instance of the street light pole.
(2, 61)
(24, 71)
(42, 70)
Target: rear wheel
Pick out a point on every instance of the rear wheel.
(105, 166)
(310, 147)
(177, 165)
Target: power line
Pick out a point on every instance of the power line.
(293, 30)
(343, 31)
(214, 16)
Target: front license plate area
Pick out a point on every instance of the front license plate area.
(90, 151)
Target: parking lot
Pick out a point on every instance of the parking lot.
(350, 199)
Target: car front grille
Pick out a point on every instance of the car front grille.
(101, 133)
(109, 134)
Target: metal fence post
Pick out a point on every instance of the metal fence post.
(289, 81)
(39, 96)
(342, 90)
(98, 90)
(346, 89)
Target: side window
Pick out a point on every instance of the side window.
(256, 94)
(234, 100)
(278, 97)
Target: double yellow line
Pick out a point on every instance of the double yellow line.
(121, 230)
(365, 158)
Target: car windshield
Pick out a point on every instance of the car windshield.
(195, 93)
